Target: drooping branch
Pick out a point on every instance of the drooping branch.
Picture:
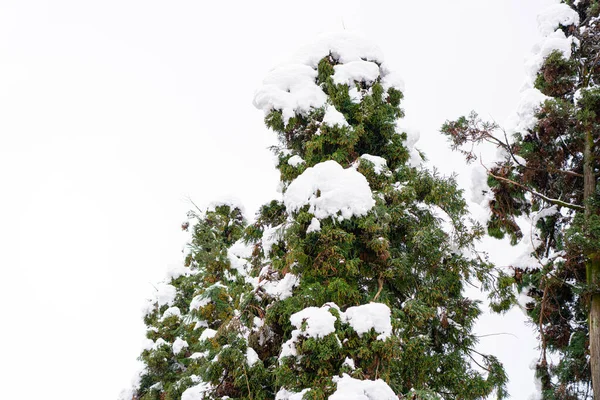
(557, 202)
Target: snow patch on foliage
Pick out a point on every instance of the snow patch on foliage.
(531, 241)
(379, 163)
(131, 391)
(271, 235)
(281, 289)
(293, 88)
(349, 388)
(199, 301)
(315, 226)
(319, 321)
(556, 41)
(343, 46)
(198, 392)
(178, 345)
(554, 16)
(198, 355)
(412, 137)
(295, 160)
(391, 79)
(177, 270)
(355, 95)
(350, 363)
(481, 195)
(238, 254)
(151, 345)
(330, 191)
(251, 356)
(356, 71)
(370, 316)
(164, 295)
(283, 394)
(333, 117)
(227, 200)
(523, 298)
(169, 312)
(207, 334)
(529, 105)
(537, 381)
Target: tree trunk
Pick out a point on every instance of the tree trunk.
(592, 266)
(594, 321)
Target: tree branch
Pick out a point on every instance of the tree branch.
(533, 192)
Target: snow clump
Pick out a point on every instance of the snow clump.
(529, 105)
(315, 226)
(296, 160)
(333, 117)
(330, 191)
(292, 88)
(359, 71)
(227, 200)
(379, 163)
(283, 394)
(349, 388)
(556, 41)
(317, 322)
(178, 345)
(370, 316)
(196, 392)
(251, 356)
(554, 16)
(281, 289)
(237, 255)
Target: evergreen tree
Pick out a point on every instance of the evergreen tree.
(549, 172)
(351, 284)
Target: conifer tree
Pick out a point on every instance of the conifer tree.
(548, 172)
(351, 284)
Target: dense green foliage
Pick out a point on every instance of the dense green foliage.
(412, 252)
(542, 176)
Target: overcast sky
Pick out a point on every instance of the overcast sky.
(114, 113)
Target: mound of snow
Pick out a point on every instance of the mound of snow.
(292, 88)
(333, 117)
(330, 191)
(197, 392)
(555, 16)
(379, 163)
(370, 316)
(349, 388)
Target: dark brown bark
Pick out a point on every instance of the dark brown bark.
(592, 267)
(594, 321)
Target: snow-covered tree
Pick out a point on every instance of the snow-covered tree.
(543, 193)
(348, 287)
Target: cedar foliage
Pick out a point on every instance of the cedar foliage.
(413, 252)
(542, 176)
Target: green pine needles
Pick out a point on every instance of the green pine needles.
(351, 284)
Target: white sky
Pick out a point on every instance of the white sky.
(112, 113)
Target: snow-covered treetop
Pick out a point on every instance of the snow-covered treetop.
(555, 16)
(293, 89)
(343, 46)
(550, 22)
